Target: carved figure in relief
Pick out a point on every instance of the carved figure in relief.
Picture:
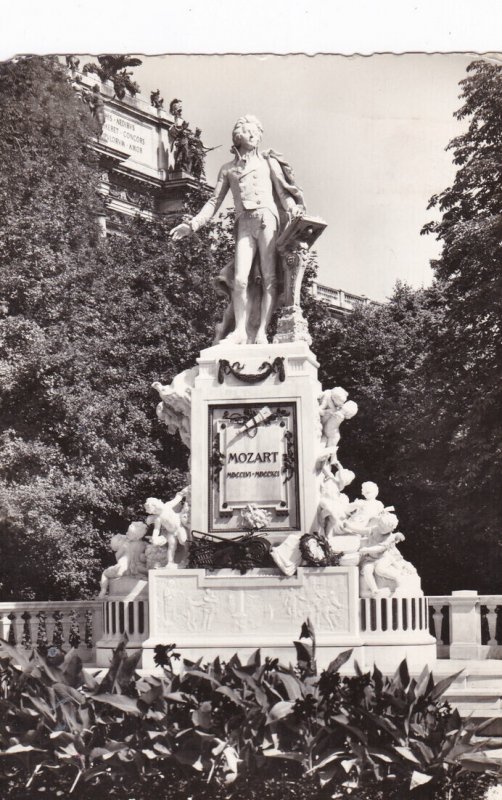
(175, 406)
(168, 529)
(362, 511)
(129, 551)
(263, 190)
(380, 557)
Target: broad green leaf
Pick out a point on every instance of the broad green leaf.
(419, 779)
(339, 661)
(120, 701)
(280, 710)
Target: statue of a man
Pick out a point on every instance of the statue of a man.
(263, 191)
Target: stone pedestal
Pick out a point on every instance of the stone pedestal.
(209, 614)
(221, 613)
(255, 436)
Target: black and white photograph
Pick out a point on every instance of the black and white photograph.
(210, 587)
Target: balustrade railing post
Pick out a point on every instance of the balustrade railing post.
(465, 625)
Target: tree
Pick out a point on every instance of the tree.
(376, 354)
(463, 370)
(88, 324)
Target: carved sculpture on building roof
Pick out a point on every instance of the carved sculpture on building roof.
(72, 62)
(182, 148)
(97, 106)
(156, 100)
(265, 198)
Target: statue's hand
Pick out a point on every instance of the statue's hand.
(181, 231)
(296, 211)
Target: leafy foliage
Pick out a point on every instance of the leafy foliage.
(377, 354)
(87, 325)
(463, 372)
(230, 725)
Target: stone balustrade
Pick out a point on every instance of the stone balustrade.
(64, 624)
(467, 625)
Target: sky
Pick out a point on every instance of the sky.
(366, 136)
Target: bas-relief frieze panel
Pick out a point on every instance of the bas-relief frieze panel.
(185, 607)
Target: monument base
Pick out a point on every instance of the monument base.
(209, 614)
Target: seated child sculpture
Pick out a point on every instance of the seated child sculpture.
(169, 529)
(380, 557)
(129, 552)
(361, 511)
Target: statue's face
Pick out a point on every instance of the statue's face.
(248, 136)
(369, 490)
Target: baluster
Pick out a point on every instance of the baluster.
(11, 637)
(437, 618)
(57, 632)
(74, 637)
(26, 638)
(42, 638)
(89, 634)
(491, 618)
(378, 616)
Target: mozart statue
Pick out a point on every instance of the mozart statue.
(266, 198)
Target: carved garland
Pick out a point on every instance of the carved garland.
(266, 369)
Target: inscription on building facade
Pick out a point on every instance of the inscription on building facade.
(135, 138)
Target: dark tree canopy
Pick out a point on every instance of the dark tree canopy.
(463, 371)
(87, 325)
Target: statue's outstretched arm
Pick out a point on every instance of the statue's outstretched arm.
(207, 211)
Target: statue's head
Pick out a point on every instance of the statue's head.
(153, 506)
(247, 128)
(385, 523)
(349, 409)
(116, 541)
(136, 530)
(369, 490)
(338, 395)
(175, 107)
(345, 477)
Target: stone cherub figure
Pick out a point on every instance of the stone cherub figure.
(334, 408)
(380, 558)
(129, 552)
(265, 196)
(170, 523)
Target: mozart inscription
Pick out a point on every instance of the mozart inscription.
(253, 460)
